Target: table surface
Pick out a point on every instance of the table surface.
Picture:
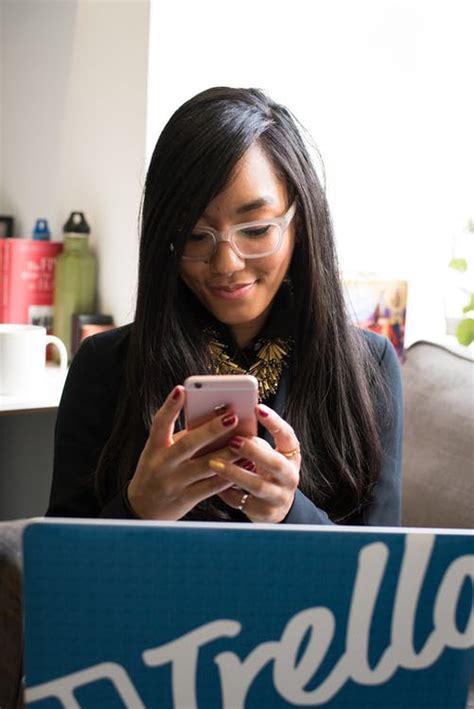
(49, 400)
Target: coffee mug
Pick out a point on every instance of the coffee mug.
(23, 359)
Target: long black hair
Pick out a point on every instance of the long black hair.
(331, 398)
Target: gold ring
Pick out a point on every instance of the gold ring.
(244, 499)
(290, 454)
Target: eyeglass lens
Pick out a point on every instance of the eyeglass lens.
(248, 241)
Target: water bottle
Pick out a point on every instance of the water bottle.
(41, 230)
(75, 278)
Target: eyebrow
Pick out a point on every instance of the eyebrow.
(251, 206)
(256, 204)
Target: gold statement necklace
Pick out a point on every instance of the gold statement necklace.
(271, 358)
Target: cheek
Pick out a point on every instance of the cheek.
(278, 264)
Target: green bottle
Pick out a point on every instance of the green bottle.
(74, 278)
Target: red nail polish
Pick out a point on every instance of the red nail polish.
(176, 393)
(228, 420)
(262, 412)
(250, 466)
(236, 442)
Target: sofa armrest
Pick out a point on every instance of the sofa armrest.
(438, 461)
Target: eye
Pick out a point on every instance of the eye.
(255, 232)
(197, 236)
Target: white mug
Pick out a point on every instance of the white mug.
(23, 359)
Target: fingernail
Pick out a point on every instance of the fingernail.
(262, 411)
(217, 465)
(236, 442)
(243, 463)
(176, 393)
(228, 420)
(249, 465)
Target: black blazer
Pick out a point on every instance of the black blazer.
(85, 417)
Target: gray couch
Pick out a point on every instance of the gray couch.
(438, 482)
(438, 463)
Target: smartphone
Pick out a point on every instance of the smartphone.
(206, 393)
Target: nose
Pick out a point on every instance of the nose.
(226, 260)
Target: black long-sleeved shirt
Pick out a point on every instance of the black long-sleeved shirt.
(86, 413)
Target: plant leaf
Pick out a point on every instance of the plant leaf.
(459, 264)
(465, 331)
(470, 306)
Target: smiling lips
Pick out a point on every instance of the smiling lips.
(234, 292)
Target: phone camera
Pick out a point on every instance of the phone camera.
(197, 385)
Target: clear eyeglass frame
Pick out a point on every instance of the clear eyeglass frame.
(282, 223)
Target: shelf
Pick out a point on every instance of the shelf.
(49, 400)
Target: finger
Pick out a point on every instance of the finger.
(197, 469)
(267, 460)
(227, 454)
(244, 501)
(273, 496)
(249, 481)
(238, 499)
(161, 432)
(281, 431)
(203, 489)
(209, 432)
(258, 510)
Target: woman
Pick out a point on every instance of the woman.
(218, 295)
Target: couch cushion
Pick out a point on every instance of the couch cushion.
(438, 463)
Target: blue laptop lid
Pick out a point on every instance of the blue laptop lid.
(226, 615)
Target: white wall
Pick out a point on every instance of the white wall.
(385, 88)
(74, 88)
(1, 98)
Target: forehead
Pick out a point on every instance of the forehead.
(254, 183)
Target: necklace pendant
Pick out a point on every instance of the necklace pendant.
(267, 369)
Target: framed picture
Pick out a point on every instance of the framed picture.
(85, 325)
(380, 306)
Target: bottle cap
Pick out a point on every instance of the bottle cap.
(76, 224)
(41, 231)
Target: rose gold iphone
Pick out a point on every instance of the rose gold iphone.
(206, 393)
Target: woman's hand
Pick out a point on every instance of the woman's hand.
(168, 482)
(267, 494)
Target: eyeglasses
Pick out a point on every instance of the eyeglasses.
(249, 240)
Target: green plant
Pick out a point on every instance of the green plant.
(465, 328)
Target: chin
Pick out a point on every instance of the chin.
(234, 318)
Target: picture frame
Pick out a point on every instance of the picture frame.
(84, 325)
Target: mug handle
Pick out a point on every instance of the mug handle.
(61, 347)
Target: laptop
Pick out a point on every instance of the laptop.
(211, 615)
